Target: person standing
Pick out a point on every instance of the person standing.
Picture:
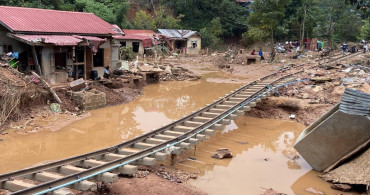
(253, 52)
(344, 47)
(365, 47)
(260, 53)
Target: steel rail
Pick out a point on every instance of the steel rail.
(129, 143)
(67, 180)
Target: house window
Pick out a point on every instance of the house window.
(7, 48)
(135, 46)
(194, 44)
(123, 43)
(99, 58)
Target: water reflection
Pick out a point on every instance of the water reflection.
(160, 104)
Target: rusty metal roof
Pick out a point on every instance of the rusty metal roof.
(59, 40)
(149, 33)
(31, 20)
(178, 34)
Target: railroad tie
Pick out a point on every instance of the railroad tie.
(201, 119)
(209, 114)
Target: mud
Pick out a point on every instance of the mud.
(159, 105)
(264, 158)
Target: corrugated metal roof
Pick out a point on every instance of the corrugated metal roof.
(149, 33)
(178, 34)
(59, 40)
(19, 19)
(147, 42)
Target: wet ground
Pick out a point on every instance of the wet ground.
(159, 105)
(264, 158)
(262, 148)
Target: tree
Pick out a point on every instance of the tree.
(143, 21)
(365, 30)
(211, 33)
(97, 8)
(164, 19)
(267, 18)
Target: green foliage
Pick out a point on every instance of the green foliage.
(365, 30)
(126, 53)
(143, 21)
(253, 35)
(211, 33)
(164, 19)
(199, 13)
(97, 8)
(267, 19)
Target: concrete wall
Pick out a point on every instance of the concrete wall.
(115, 54)
(129, 44)
(48, 63)
(16, 45)
(190, 49)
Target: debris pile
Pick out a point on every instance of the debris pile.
(18, 92)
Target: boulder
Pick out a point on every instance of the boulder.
(222, 153)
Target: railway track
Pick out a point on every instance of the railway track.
(79, 172)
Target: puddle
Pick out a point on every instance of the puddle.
(260, 148)
(159, 105)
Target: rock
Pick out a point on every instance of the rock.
(1, 139)
(305, 95)
(321, 79)
(242, 142)
(222, 153)
(315, 191)
(192, 176)
(362, 72)
(317, 89)
(272, 192)
(292, 116)
(341, 187)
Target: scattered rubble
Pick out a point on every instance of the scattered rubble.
(341, 187)
(222, 153)
(314, 191)
(271, 191)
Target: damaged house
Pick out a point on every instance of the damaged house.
(58, 44)
(187, 41)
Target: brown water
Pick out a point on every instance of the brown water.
(261, 148)
(159, 105)
(258, 164)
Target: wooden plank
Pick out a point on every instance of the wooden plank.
(48, 86)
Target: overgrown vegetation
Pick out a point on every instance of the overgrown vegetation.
(269, 20)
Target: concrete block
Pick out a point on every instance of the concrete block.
(172, 133)
(216, 126)
(217, 110)
(201, 119)
(45, 176)
(176, 150)
(252, 104)
(232, 117)
(225, 121)
(127, 151)
(236, 99)
(63, 191)
(184, 145)
(16, 185)
(85, 186)
(68, 170)
(127, 169)
(112, 156)
(154, 141)
(164, 137)
(160, 156)
(192, 123)
(264, 97)
(246, 108)
(223, 106)
(209, 114)
(141, 145)
(231, 103)
(241, 96)
(107, 177)
(208, 132)
(193, 141)
(239, 112)
(183, 128)
(148, 161)
(200, 137)
(91, 163)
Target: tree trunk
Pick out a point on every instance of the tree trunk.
(304, 20)
(272, 57)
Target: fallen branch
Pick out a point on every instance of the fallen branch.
(48, 86)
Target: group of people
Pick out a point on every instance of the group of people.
(354, 48)
(260, 53)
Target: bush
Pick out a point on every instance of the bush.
(126, 53)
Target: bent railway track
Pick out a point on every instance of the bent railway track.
(103, 165)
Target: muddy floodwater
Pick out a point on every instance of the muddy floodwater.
(264, 158)
(262, 148)
(159, 105)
